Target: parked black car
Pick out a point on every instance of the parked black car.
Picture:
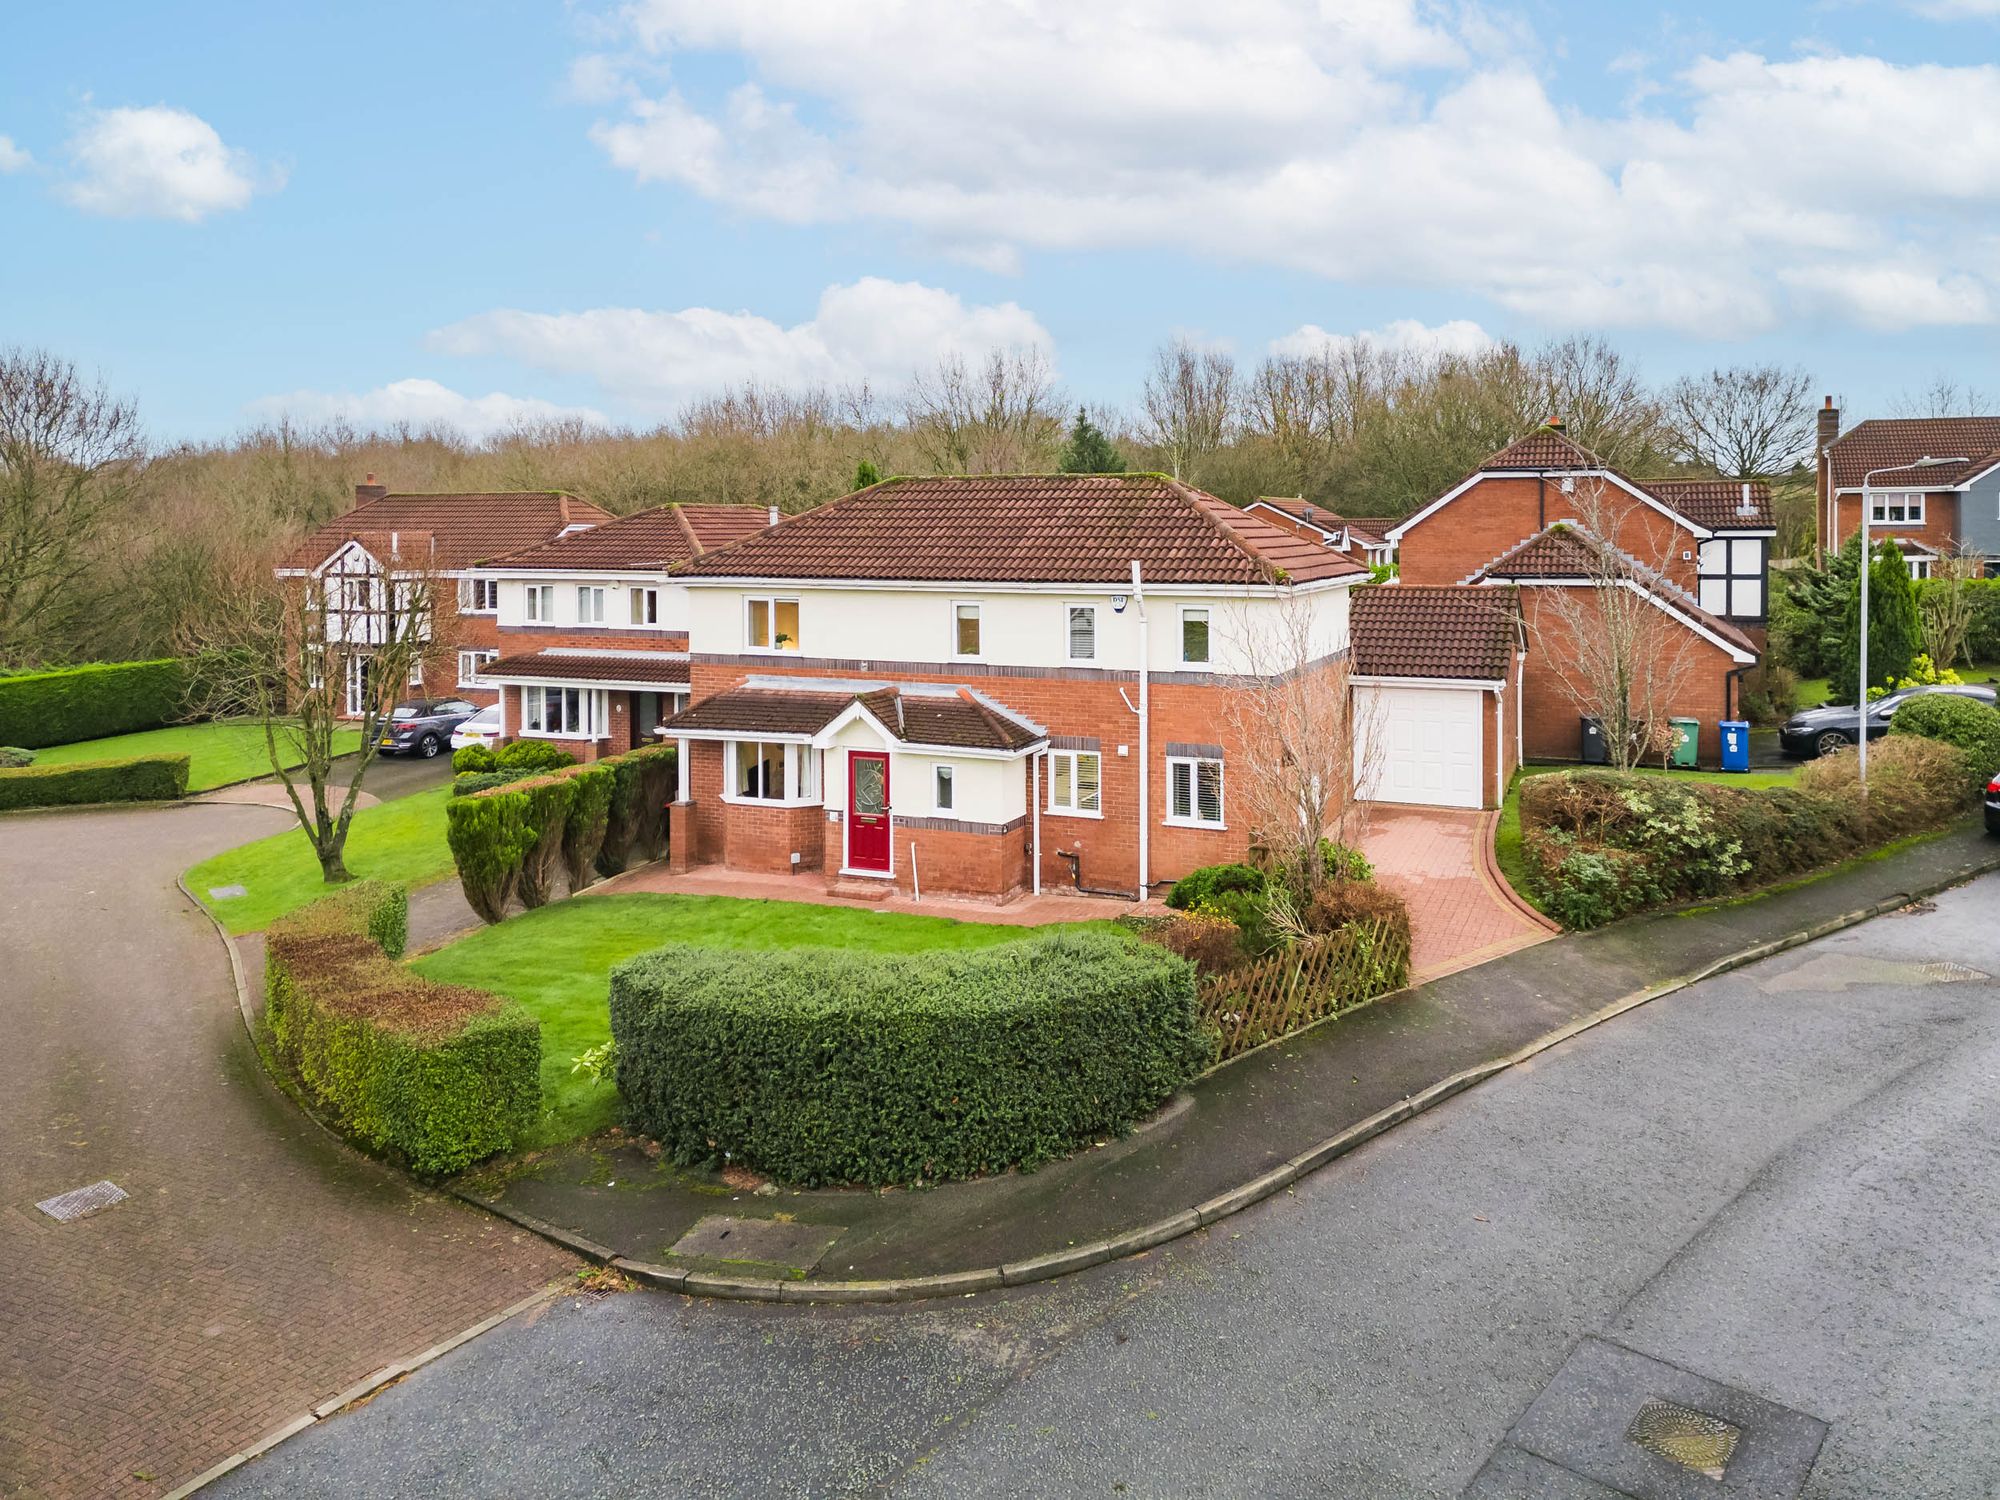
(1821, 731)
(423, 726)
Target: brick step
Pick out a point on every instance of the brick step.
(862, 890)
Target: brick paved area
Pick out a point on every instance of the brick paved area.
(257, 1268)
(1436, 860)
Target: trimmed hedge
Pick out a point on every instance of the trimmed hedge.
(825, 1066)
(1202, 887)
(636, 826)
(547, 816)
(440, 1075)
(468, 783)
(589, 819)
(140, 778)
(529, 755)
(1965, 722)
(489, 835)
(68, 704)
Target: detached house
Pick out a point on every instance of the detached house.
(986, 685)
(361, 552)
(1363, 539)
(1929, 510)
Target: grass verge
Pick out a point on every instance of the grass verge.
(219, 754)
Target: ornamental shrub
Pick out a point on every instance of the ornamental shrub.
(1914, 784)
(1206, 939)
(547, 815)
(474, 758)
(589, 814)
(67, 704)
(440, 1075)
(530, 755)
(466, 783)
(140, 778)
(1972, 726)
(1342, 903)
(1344, 862)
(489, 837)
(1200, 887)
(827, 1066)
(12, 758)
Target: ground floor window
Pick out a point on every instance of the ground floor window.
(564, 713)
(1920, 567)
(469, 663)
(1194, 792)
(761, 771)
(1074, 781)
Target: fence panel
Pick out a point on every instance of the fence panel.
(1304, 983)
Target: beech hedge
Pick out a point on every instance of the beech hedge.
(139, 778)
(439, 1075)
(828, 1066)
(67, 704)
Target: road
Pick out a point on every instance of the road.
(1785, 1180)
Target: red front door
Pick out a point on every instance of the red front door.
(867, 812)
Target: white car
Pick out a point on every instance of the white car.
(482, 729)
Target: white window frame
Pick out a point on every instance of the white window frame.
(771, 603)
(416, 671)
(1069, 634)
(645, 602)
(1074, 759)
(593, 712)
(478, 659)
(1731, 578)
(1193, 818)
(590, 604)
(944, 788)
(1911, 502)
(478, 596)
(541, 606)
(1208, 624)
(1919, 566)
(801, 774)
(979, 627)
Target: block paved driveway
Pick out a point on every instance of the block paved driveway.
(1438, 860)
(258, 1267)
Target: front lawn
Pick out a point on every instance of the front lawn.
(403, 841)
(218, 753)
(557, 961)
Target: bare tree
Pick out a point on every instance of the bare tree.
(312, 657)
(70, 457)
(1746, 422)
(1945, 396)
(1005, 417)
(1620, 658)
(1598, 394)
(1945, 609)
(1189, 404)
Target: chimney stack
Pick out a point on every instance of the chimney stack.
(1554, 424)
(1829, 423)
(369, 490)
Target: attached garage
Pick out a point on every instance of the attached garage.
(1422, 744)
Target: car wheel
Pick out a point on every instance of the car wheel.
(429, 748)
(1829, 742)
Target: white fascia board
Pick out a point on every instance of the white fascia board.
(1738, 533)
(648, 578)
(1287, 516)
(1395, 533)
(961, 752)
(1467, 684)
(854, 713)
(757, 736)
(782, 586)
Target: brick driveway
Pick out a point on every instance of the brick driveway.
(257, 1268)
(1439, 861)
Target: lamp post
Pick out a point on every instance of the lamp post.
(1867, 563)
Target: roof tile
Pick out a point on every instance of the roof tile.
(1450, 631)
(662, 537)
(463, 528)
(1879, 442)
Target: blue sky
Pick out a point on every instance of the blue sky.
(479, 211)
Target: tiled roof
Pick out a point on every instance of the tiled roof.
(1879, 442)
(1455, 631)
(663, 537)
(1367, 532)
(1029, 528)
(560, 664)
(930, 715)
(1714, 504)
(463, 529)
(1544, 448)
(1566, 550)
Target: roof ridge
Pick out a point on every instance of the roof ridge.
(1201, 500)
(687, 529)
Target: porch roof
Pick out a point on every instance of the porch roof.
(640, 669)
(930, 715)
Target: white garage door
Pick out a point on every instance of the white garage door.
(1424, 745)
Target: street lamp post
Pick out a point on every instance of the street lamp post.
(1867, 561)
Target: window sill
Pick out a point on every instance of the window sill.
(781, 802)
(560, 734)
(1194, 823)
(1067, 812)
(771, 650)
(1887, 525)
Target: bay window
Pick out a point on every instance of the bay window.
(564, 712)
(1074, 782)
(766, 771)
(1194, 792)
(771, 624)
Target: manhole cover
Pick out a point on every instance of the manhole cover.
(1693, 1439)
(226, 892)
(772, 1242)
(81, 1203)
(1951, 973)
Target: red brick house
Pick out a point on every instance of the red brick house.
(1363, 539)
(451, 533)
(1545, 514)
(985, 685)
(592, 631)
(1929, 510)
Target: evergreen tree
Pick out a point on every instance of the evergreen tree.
(865, 474)
(1088, 450)
(1895, 633)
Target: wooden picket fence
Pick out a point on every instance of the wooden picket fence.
(1304, 983)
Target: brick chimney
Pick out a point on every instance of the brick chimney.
(369, 490)
(1827, 521)
(1829, 423)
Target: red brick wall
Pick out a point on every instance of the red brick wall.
(519, 638)
(1501, 511)
(1939, 530)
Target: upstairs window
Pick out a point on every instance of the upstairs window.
(1194, 792)
(541, 603)
(1082, 632)
(965, 630)
(469, 665)
(645, 606)
(1194, 636)
(771, 624)
(590, 606)
(1731, 571)
(1074, 782)
(1896, 508)
(942, 790)
(478, 596)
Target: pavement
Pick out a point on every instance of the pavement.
(256, 1266)
(1462, 911)
(1779, 1187)
(1250, 1117)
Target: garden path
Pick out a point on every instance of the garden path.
(1440, 862)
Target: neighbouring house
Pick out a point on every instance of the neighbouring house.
(987, 685)
(1545, 514)
(445, 536)
(591, 628)
(1362, 539)
(1928, 510)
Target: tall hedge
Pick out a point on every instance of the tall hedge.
(441, 1075)
(636, 827)
(1967, 723)
(589, 816)
(825, 1066)
(489, 835)
(140, 778)
(547, 815)
(68, 704)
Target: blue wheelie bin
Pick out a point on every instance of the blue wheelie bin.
(1735, 745)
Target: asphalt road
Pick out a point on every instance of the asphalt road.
(1786, 1180)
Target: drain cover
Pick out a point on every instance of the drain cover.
(771, 1242)
(81, 1203)
(1693, 1439)
(1950, 973)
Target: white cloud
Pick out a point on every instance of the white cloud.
(1392, 143)
(160, 162)
(1459, 337)
(421, 404)
(1956, 10)
(1891, 295)
(872, 330)
(13, 158)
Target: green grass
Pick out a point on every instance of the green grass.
(557, 961)
(1815, 692)
(403, 840)
(218, 754)
(1734, 778)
